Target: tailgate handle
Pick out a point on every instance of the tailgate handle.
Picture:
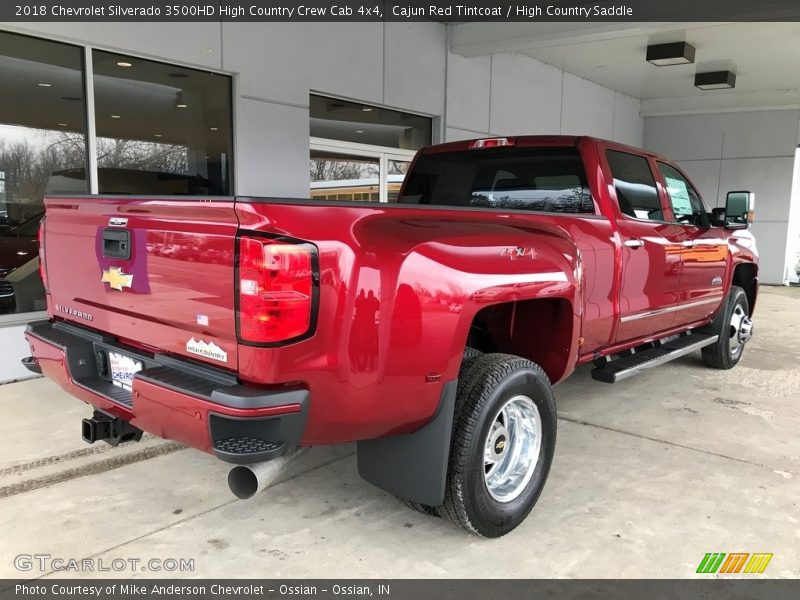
(116, 243)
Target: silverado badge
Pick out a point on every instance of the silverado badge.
(116, 279)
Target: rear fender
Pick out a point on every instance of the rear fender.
(534, 312)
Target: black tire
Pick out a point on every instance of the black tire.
(720, 354)
(425, 509)
(470, 354)
(490, 381)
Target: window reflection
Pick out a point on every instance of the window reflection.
(342, 120)
(42, 132)
(161, 129)
(343, 177)
(398, 169)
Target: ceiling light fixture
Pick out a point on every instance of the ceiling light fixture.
(62, 124)
(715, 80)
(45, 84)
(366, 109)
(157, 135)
(359, 131)
(179, 102)
(676, 53)
(115, 116)
(213, 128)
(124, 64)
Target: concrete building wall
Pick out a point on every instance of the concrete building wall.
(739, 151)
(405, 66)
(399, 65)
(506, 94)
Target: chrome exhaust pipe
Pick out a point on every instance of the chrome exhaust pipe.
(245, 481)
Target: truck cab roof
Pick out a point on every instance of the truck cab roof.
(532, 141)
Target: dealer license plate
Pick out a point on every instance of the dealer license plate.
(123, 368)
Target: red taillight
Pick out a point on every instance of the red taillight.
(42, 268)
(275, 290)
(491, 143)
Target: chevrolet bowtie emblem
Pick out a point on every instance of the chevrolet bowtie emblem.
(116, 279)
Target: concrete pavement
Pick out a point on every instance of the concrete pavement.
(649, 475)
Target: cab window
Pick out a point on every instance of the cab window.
(687, 205)
(635, 186)
(545, 179)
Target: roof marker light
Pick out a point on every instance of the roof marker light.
(492, 143)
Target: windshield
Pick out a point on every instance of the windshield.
(535, 179)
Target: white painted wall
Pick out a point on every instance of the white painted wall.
(400, 65)
(13, 349)
(793, 245)
(513, 94)
(739, 151)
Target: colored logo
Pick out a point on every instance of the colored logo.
(735, 562)
(206, 349)
(116, 279)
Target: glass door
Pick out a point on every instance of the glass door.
(350, 172)
(344, 177)
(396, 171)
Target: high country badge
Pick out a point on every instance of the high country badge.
(207, 350)
(116, 279)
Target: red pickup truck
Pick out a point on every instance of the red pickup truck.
(430, 331)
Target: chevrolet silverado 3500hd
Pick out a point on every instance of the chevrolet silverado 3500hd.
(430, 331)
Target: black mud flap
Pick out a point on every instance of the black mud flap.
(413, 466)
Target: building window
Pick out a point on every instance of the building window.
(359, 152)
(161, 129)
(42, 133)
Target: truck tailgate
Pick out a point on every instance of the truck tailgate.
(155, 273)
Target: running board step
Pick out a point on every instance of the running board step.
(632, 364)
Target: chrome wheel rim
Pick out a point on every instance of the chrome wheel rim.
(740, 330)
(512, 447)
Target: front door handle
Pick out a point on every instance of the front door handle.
(688, 243)
(634, 243)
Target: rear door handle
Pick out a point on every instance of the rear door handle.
(634, 243)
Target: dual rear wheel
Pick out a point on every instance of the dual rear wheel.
(504, 433)
(504, 429)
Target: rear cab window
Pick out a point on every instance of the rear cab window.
(541, 179)
(635, 186)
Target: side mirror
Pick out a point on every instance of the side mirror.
(716, 218)
(739, 210)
